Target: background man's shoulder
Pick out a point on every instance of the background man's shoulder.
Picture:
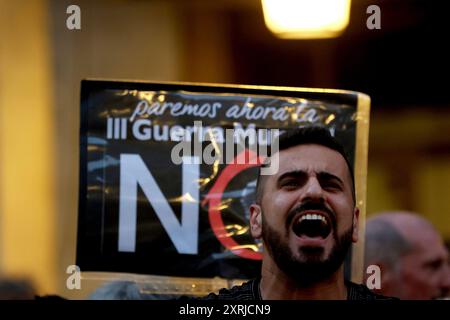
(361, 292)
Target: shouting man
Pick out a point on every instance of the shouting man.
(306, 216)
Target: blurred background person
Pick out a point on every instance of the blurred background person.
(117, 290)
(411, 255)
(16, 289)
(127, 290)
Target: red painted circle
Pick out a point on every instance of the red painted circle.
(215, 198)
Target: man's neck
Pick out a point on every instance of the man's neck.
(276, 285)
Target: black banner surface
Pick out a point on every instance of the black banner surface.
(141, 211)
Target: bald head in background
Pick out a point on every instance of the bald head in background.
(411, 255)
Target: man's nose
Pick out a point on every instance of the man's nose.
(313, 190)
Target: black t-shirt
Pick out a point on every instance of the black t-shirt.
(250, 291)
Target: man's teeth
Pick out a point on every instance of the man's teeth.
(313, 217)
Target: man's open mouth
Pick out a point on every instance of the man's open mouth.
(312, 225)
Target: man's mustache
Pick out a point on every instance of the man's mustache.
(310, 205)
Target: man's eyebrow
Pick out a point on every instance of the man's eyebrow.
(329, 176)
(322, 175)
(292, 174)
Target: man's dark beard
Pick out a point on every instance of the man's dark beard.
(306, 273)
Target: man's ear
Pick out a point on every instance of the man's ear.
(355, 234)
(256, 221)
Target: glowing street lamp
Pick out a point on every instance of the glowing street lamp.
(306, 19)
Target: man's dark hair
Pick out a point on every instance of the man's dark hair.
(306, 135)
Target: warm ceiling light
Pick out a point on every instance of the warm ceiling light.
(306, 19)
